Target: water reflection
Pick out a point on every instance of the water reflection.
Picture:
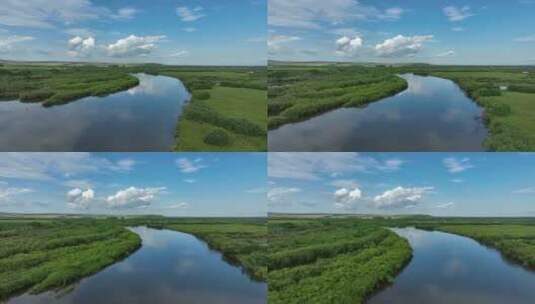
(447, 268)
(170, 267)
(433, 114)
(140, 119)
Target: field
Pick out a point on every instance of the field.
(297, 93)
(507, 95)
(242, 241)
(331, 261)
(40, 255)
(227, 111)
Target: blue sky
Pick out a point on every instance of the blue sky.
(217, 32)
(442, 32)
(173, 184)
(442, 184)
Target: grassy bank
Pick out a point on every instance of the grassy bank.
(331, 261)
(241, 241)
(59, 84)
(227, 111)
(507, 95)
(40, 255)
(298, 93)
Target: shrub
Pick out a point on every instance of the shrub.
(217, 138)
(201, 95)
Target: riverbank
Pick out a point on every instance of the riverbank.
(297, 93)
(42, 255)
(322, 260)
(242, 242)
(507, 95)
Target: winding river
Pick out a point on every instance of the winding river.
(448, 268)
(433, 114)
(143, 118)
(170, 267)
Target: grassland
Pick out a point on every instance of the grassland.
(507, 95)
(59, 84)
(331, 261)
(297, 93)
(243, 242)
(40, 255)
(227, 111)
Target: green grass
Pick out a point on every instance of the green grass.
(299, 93)
(40, 256)
(331, 261)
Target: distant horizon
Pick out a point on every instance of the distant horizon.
(129, 63)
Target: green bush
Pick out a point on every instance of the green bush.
(217, 138)
(201, 95)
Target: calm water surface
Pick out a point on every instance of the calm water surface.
(447, 268)
(433, 114)
(170, 267)
(140, 119)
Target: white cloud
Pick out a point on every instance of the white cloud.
(133, 197)
(347, 46)
(126, 164)
(190, 180)
(133, 46)
(46, 13)
(530, 38)
(181, 53)
(79, 47)
(80, 199)
(344, 183)
(189, 166)
(457, 180)
(311, 166)
(455, 14)
(187, 14)
(8, 193)
(279, 194)
(125, 13)
(345, 198)
(446, 54)
(189, 29)
(7, 43)
(276, 42)
(457, 29)
(50, 165)
(402, 46)
(311, 14)
(446, 205)
(528, 190)
(78, 183)
(455, 165)
(178, 206)
(400, 197)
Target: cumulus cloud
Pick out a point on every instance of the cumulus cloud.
(80, 199)
(446, 54)
(311, 14)
(133, 46)
(456, 165)
(345, 198)
(400, 197)
(402, 46)
(187, 14)
(455, 14)
(126, 164)
(133, 197)
(344, 183)
(80, 47)
(7, 44)
(347, 46)
(8, 193)
(189, 166)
